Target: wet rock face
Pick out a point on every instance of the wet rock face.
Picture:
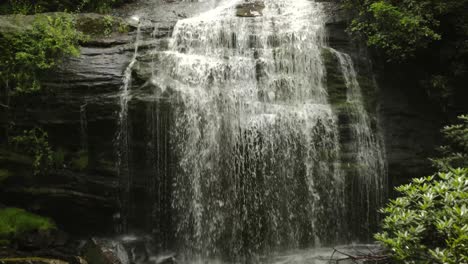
(409, 125)
(250, 9)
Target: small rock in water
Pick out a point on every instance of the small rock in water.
(250, 9)
(102, 251)
(167, 260)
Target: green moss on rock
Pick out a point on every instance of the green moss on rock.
(15, 222)
(31, 260)
(81, 161)
(4, 174)
(100, 25)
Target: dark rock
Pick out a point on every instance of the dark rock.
(407, 119)
(250, 9)
(42, 239)
(101, 251)
(31, 260)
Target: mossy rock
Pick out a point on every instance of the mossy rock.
(15, 222)
(81, 161)
(101, 25)
(31, 260)
(4, 175)
(88, 23)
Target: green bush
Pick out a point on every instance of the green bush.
(35, 143)
(401, 28)
(455, 153)
(15, 222)
(26, 7)
(4, 174)
(28, 55)
(429, 223)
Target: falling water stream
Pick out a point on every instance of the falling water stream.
(256, 160)
(123, 137)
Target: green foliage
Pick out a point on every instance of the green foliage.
(455, 154)
(4, 174)
(35, 143)
(28, 55)
(429, 222)
(15, 222)
(398, 30)
(27, 7)
(401, 28)
(432, 33)
(81, 161)
(108, 23)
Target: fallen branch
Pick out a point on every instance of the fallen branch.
(355, 258)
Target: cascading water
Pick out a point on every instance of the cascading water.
(123, 138)
(84, 126)
(367, 145)
(245, 143)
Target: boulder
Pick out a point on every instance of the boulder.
(42, 239)
(104, 251)
(31, 260)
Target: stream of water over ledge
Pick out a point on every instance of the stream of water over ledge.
(246, 149)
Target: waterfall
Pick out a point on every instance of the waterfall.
(257, 141)
(84, 126)
(123, 139)
(243, 140)
(367, 145)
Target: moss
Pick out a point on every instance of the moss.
(4, 174)
(32, 260)
(58, 157)
(4, 243)
(100, 26)
(81, 162)
(15, 222)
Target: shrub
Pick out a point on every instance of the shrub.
(36, 6)
(15, 222)
(26, 56)
(429, 222)
(4, 175)
(401, 28)
(455, 153)
(35, 142)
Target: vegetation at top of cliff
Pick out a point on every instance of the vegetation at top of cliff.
(402, 28)
(27, 7)
(15, 222)
(27, 56)
(433, 33)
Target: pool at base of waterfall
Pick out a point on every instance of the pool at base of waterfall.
(132, 249)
